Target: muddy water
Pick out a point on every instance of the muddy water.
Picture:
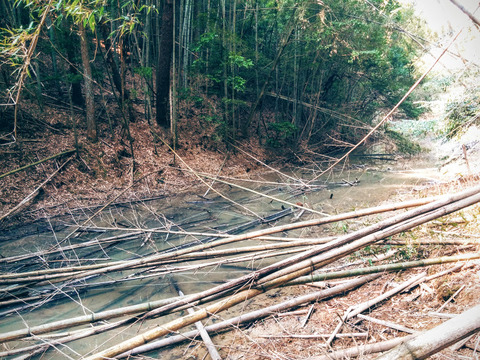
(190, 212)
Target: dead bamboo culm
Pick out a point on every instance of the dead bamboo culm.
(413, 218)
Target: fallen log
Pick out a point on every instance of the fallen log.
(432, 341)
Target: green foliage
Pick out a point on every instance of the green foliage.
(461, 114)
(281, 134)
(415, 128)
(144, 71)
(404, 144)
(188, 95)
(239, 60)
(348, 56)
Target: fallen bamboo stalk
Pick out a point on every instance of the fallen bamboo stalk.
(250, 293)
(363, 349)
(168, 270)
(77, 227)
(450, 298)
(432, 341)
(431, 242)
(177, 324)
(295, 205)
(315, 336)
(218, 173)
(358, 309)
(296, 266)
(382, 268)
(123, 265)
(139, 231)
(203, 181)
(386, 323)
(84, 319)
(255, 315)
(231, 239)
(212, 350)
(397, 224)
(15, 259)
(34, 192)
(269, 167)
(36, 163)
(177, 305)
(79, 334)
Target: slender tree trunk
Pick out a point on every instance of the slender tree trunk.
(87, 76)
(38, 86)
(53, 54)
(256, 49)
(76, 91)
(163, 66)
(117, 74)
(224, 60)
(173, 117)
(187, 19)
(147, 63)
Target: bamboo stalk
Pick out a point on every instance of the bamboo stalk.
(382, 268)
(293, 267)
(398, 224)
(255, 315)
(253, 292)
(212, 350)
(468, 198)
(34, 192)
(358, 350)
(34, 349)
(315, 336)
(358, 309)
(36, 163)
(79, 320)
(428, 343)
(258, 233)
(386, 323)
(158, 257)
(218, 173)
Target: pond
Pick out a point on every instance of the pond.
(128, 231)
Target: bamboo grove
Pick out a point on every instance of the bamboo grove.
(320, 67)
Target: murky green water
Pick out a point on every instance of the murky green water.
(183, 212)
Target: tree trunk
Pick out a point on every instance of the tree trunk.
(117, 75)
(163, 66)
(76, 93)
(88, 80)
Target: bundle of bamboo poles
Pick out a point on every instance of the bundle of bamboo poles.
(299, 268)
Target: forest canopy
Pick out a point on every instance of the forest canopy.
(287, 72)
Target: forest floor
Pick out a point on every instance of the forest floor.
(104, 171)
(107, 168)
